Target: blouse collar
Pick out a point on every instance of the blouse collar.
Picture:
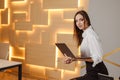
(85, 31)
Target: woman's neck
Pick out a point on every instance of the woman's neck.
(85, 27)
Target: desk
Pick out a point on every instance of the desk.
(5, 64)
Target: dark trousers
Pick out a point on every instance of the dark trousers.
(92, 72)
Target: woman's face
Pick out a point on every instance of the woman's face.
(80, 22)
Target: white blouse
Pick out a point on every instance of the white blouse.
(91, 46)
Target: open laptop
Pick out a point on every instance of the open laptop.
(65, 50)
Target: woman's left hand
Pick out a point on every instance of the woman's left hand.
(68, 60)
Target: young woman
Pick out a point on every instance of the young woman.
(90, 47)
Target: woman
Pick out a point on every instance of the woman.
(90, 47)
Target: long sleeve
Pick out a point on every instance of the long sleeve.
(95, 48)
(91, 46)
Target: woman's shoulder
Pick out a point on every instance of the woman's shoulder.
(91, 33)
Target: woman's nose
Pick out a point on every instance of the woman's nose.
(78, 22)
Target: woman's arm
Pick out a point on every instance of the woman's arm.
(69, 60)
(89, 59)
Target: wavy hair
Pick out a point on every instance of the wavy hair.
(77, 32)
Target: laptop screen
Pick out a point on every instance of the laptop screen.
(64, 49)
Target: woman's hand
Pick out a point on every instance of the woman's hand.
(68, 60)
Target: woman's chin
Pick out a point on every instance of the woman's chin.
(81, 28)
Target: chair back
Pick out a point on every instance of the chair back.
(104, 77)
(4, 50)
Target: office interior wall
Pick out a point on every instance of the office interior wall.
(105, 16)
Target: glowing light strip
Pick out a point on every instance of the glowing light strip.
(10, 52)
(35, 66)
(28, 14)
(55, 10)
(19, 2)
(6, 4)
(70, 9)
(0, 19)
(24, 31)
(42, 26)
(112, 52)
(6, 41)
(41, 3)
(8, 16)
(113, 63)
(49, 17)
(17, 57)
(79, 2)
(70, 20)
(19, 12)
(65, 32)
(56, 58)
(62, 74)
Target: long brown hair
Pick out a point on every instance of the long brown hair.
(77, 32)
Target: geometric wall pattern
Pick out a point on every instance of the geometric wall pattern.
(32, 27)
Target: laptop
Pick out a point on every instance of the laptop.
(65, 50)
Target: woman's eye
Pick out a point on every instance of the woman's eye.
(81, 19)
(76, 21)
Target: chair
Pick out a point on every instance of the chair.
(104, 77)
(4, 50)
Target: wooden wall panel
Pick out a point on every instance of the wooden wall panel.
(32, 27)
(4, 50)
(18, 52)
(4, 17)
(37, 14)
(66, 38)
(43, 55)
(19, 17)
(20, 6)
(4, 34)
(35, 35)
(2, 4)
(23, 26)
(22, 39)
(69, 14)
(53, 74)
(59, 4)
(45, 38)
